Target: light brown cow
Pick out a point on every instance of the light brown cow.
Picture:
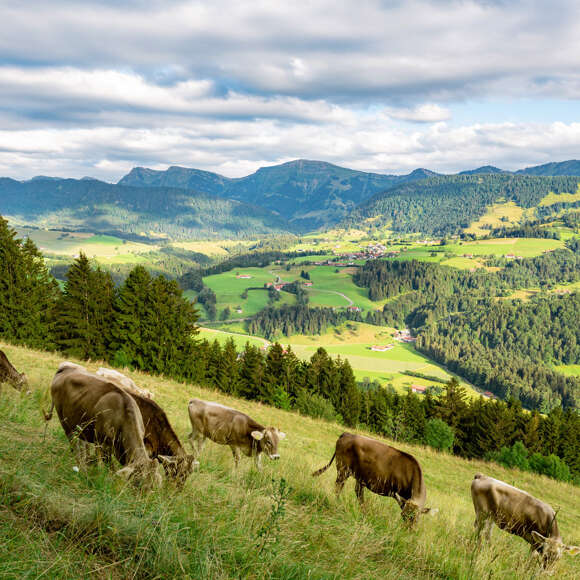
(383, 470)
(8, 374)
(92, 410)
(124, 382)
(519, 513)
(230, 427)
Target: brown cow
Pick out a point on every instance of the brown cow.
(8, 374)
(92, 410)
(381, 469)
(162, 443)
(230, 427)
(519, 513)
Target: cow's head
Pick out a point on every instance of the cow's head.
(550, 550)
(410, 510)
(144, 474)
(21, 382)
(267, 441)
(178, 469)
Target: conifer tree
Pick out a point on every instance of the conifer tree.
(251, 372)
(230, 376)
(28, 293)
(85, 312)
(349, 403)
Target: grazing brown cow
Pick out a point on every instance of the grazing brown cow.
(8, 374)
(162, 443)
(519, 513)
(230, 427)
(92, 410)
(381, 469)
(124, 382)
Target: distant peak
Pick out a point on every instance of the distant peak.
(482, 169)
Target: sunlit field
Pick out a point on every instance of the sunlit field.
(57, 523)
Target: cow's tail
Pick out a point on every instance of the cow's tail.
(47, 418)
(323, 469)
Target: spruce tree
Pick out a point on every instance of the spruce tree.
(28, 293)
(84, 313)
(349, 403)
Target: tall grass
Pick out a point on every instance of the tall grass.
(57, 523)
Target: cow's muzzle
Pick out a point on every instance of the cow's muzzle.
(276, 456)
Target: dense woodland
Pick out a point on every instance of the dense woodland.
(146, 324)
(506, 347)
(444, 205)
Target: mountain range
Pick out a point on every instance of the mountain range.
(297, 196)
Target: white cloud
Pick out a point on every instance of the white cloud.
(427, 113)
(236, 148)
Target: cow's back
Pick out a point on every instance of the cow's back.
(86, 404)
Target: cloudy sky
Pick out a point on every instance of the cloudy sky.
(95, 87)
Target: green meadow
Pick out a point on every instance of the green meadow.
(353, 341)
(106, 249)
(279, 523)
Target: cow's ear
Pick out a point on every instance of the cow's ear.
(281, 435)
(166, 459)
(572, 550)
(538, 536)
(125, 472)
(257, 435)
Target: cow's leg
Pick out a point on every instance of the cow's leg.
(236, 454)
(360, 491)
(342, 475)
(197, 441)
(258, 461)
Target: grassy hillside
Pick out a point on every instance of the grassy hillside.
(57, 523)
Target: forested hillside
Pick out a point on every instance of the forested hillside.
(92, 205)
(507, 348)
(447, 204)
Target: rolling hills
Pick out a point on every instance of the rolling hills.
(62, 524)
(156, 212)
(298, 196)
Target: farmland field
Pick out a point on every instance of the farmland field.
(106, 249)
(353, 341)
(59, 523)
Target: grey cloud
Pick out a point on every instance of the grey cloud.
(415, 50)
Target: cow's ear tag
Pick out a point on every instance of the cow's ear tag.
(257, 435)
(281, 435)
(572, 550)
